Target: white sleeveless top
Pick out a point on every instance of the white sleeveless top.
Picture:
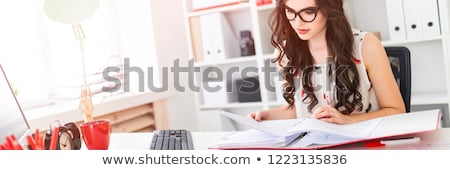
(369, 100)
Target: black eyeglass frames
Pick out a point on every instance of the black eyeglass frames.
(306, 15)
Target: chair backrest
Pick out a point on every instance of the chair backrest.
(400, 59)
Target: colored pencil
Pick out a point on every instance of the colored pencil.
(31, 143)
(54, 139)
(15, 143)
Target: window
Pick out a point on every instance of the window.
(42, 58)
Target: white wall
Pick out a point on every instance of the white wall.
(368, 15)
(171, 44)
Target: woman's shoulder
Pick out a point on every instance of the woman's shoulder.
(371, 42)
(367, 46)
(364, 37)
(359, 36)
(372, 50)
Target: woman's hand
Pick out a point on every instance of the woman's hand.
(258, 116)
(331, 115)
(282, 112)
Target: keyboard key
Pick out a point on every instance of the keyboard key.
(172, 143)
(177, 144)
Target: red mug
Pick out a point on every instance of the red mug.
(96, 134)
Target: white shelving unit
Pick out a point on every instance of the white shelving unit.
(430, 79)
(396, 42)
(430, 55)
(244, 16)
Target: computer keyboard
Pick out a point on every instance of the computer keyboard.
(171, 139)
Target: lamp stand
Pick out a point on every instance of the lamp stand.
(86, 106)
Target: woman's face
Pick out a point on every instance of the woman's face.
(305, 18)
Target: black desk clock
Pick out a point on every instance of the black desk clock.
(69, 137)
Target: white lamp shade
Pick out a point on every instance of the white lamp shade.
(70, 11)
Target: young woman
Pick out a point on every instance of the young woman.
(312, 35)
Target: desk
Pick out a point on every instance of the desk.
(142, 140)
(439, 139)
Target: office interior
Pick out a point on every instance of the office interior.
(156, 38)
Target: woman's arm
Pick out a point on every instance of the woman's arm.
(380, 73)
(282, 112)
(383, 82)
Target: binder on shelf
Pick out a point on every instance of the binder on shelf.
(430, 18)
(413, 18)
(207, 37)
(196, 38)
(248, 89)
(218, 40)
(396, 22)
(226, 43)
(259, 2)
(263, 2)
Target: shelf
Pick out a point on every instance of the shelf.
(232, 105)
(429, 98)
(227, 61)
(399, 42)
(265, 7)
(242, 5)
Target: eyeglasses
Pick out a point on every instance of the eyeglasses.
(306, 15)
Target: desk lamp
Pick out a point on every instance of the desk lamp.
(73, 12)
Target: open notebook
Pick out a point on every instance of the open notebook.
(315, 134)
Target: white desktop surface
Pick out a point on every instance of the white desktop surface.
(439, 139)
(133, 141)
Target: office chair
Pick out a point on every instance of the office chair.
(400, 59)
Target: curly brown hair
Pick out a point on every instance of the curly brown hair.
(339, 37)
